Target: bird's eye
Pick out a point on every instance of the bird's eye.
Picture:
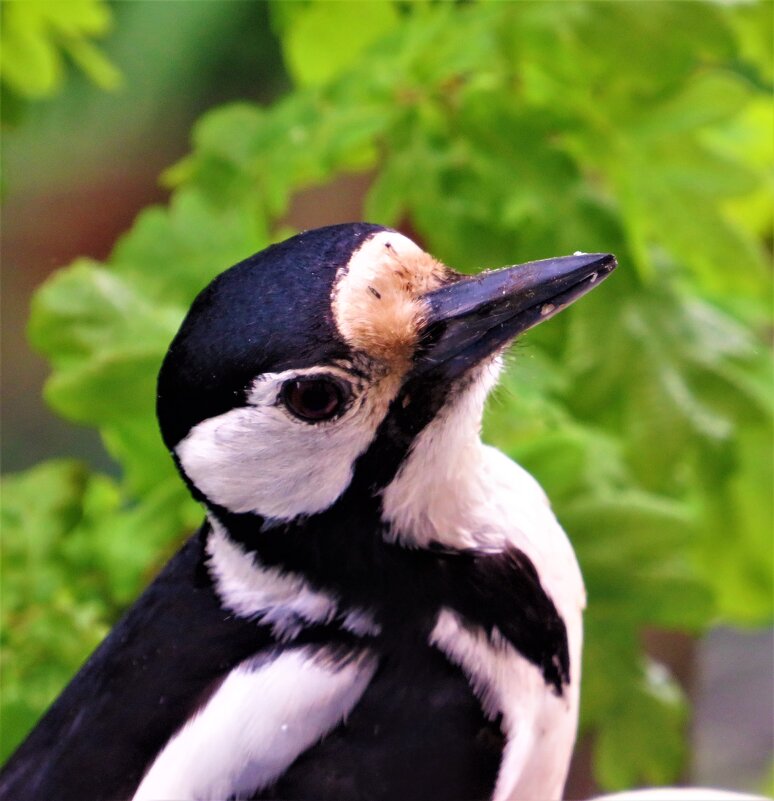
(314, 399)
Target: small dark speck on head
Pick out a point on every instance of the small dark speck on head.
(375, 293)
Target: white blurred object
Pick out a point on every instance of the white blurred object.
(680, 794)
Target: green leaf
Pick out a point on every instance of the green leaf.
(29, 64)
(643, 744)
(709, 98)
(87, 394)
(73, 555)
(47, 628)
(321, 40)
(741, 515)
(752, 24)
(638, 527)
(174, 252)
(106, 342)
(33, 34)
(94, 64)
(84, 310)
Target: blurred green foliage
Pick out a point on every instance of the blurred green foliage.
(497, 133)
(36, 35)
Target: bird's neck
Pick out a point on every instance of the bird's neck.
(442, 489)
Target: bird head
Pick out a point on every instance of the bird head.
(306, 373)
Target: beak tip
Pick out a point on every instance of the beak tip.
(605, 261)
(605, 264)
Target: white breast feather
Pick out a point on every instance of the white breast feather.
(261, 718)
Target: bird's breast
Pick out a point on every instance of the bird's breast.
(417, 732)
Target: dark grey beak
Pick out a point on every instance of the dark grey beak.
(474, 317)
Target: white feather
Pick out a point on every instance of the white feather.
(278, 598)
(259, 458)
(263, 716)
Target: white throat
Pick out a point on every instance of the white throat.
(442, 492)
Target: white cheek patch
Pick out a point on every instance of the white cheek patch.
(260, 459)
(265, 714)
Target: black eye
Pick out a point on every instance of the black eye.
(314, 399)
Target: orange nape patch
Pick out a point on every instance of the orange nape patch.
(377, 302)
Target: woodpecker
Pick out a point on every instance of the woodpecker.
(378, 606)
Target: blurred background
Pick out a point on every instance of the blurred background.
(493, 134)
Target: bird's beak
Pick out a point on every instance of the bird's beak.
(475, 316)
